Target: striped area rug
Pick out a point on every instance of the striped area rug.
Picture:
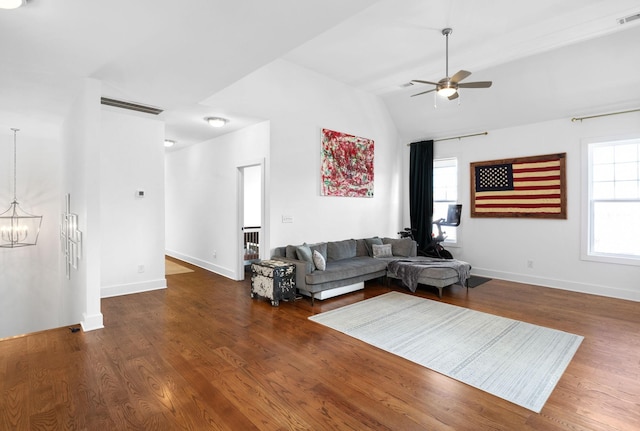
(513, 360)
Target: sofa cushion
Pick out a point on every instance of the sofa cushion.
(320, 247)
(339, 250)
(291, 251)
(382, 250)
(319, 261)
(371, 241)
(361, 248)
(404, 247)
(345, 269)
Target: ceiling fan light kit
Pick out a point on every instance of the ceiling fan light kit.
(12, 4)
(448, 87)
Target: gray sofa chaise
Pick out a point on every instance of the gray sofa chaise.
(347, 264)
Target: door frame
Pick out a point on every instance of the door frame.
(262, 234)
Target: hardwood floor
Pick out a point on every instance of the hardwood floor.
(203, 355)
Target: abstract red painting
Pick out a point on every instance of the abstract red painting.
(346, 165)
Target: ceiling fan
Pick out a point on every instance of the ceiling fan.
(448, 87)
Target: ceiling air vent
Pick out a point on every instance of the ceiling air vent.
(629, 18)
(131, 106)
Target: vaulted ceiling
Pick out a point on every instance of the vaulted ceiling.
(546, 58)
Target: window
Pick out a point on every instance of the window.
(613, 231)
(445, 192)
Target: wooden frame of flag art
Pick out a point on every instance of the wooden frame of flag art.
(522, 187)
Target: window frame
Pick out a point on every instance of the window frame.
(587, 202)
(457, 230)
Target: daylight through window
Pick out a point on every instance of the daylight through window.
(445, 192)
(614, 199)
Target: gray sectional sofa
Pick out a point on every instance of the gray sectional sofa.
(347, 263)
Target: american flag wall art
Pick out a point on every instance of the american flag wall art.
(522, 187)
(346, 165)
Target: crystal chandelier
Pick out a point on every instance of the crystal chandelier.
(18, 228)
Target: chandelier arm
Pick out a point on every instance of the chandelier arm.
(15, 164)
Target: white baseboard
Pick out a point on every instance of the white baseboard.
(92, 322)
(130, 288)
(591, 289)
(225, 272)
(326, 294)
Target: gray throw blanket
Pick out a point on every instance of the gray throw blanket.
(409, 270)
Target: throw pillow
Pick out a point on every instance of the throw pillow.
(304, 253)
(382, 250)
(370, 241)
(319, 261)
(321, 247)
(404, 247)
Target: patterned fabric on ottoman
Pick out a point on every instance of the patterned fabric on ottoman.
(274, 280)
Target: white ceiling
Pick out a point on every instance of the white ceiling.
(546, 58)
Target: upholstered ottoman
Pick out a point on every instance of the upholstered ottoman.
(274, 280)
(438, 273)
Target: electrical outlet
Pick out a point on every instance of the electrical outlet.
(215, 254)
(140, 268)
(530, 264)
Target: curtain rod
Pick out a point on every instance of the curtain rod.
(603, 115)
(458, 137)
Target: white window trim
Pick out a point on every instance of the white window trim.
(585, 181)
(447, 242)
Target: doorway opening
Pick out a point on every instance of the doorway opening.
(251, 202)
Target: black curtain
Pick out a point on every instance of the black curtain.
(421, 191)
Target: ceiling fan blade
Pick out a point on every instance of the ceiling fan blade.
(453, 96)
(424, 92)
(424, 82)
(479, 84)
(462, 74)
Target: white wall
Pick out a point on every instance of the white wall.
(500, 248)
(298, 104)
(32, 297)
(132, 227)
(81, 179)
(201, 186)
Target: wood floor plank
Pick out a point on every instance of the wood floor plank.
(202, 355)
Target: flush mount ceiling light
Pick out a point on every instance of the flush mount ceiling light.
(216, 121)
(18, 228)
(12, 4)
(169, 143)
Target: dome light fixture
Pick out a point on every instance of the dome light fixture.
(169, 143)
(216, 121)
(12, 4)
(447, 90)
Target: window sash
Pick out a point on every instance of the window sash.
(613, 173)
(445, 192)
